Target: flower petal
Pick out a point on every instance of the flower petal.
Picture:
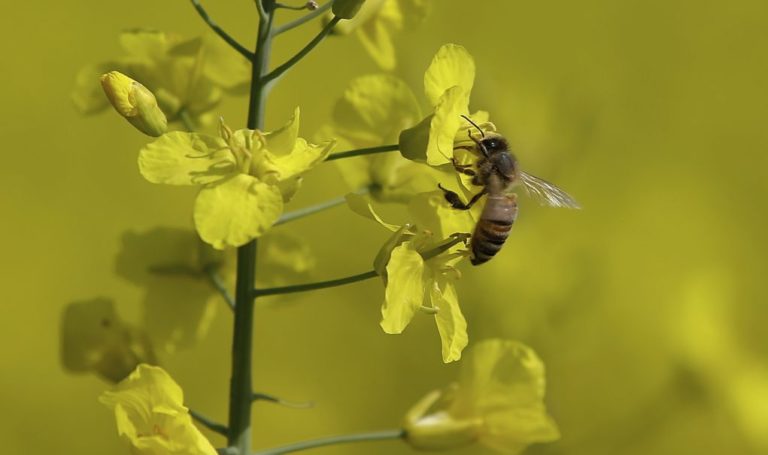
(282, 140)
(451, 66)
(432, 212)
(301, 159)
(362, 206)
(151, 416)
(146, 44)
(404, 294)
(179, 158)
(450, 322)
(236, 211)
(374, 109)
(445, 124)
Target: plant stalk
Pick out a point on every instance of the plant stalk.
(241, 385)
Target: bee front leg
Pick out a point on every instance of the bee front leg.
(463, 168)
(455, 200)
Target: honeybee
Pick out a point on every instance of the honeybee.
(497, 172)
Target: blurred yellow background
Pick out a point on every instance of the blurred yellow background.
(648, 306)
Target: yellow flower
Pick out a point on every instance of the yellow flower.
(498, 402)
(372, 112)
(419, 271)
(134, 102)
(447, 84)
(245, 175)
(187, 76)
(95, 339)
(151, 416)
(376, 23)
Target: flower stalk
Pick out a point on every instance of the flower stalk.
(333, 440)
(364, 151)
(219, 31)
(240, 392)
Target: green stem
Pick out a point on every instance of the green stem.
(318, 285)
(365, 151)
(333, 440)
(312, 209)
(219, 31)
(208, 423)
(240, 388)
(280, 70)
(302, 20)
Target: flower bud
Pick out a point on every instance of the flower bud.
(134, 102)
(347, 9)
(429, 430)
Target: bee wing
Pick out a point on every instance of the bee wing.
(547, 193)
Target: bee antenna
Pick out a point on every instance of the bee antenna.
(482, 133)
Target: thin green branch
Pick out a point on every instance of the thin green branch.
(333, 440)
(312, 209)
(186, 120)
(314, 286)
(280, 70)
(220, 31)
(219, 285)
(365, 151)
(208, 423)
(302, 20)
(262, 10)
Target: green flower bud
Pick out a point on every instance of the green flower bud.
(346, 9)
(134, 102)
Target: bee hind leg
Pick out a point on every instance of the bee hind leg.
(455, 200)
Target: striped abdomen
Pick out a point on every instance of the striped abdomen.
(493, 227)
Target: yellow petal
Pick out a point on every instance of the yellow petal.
(146, 44)
(236, 211)
(151, 416)
(451, 66)
(282, 140)
(445, 124)
(382, 257)
(179, 158)
(303, 157)
(404, 294)
(362, 206)
(374, 109)
(225, 66)
(450, 322)
(503, 381)
(377, 38)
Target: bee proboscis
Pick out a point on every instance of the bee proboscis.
(497, 173)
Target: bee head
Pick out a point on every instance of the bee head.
(495, 143)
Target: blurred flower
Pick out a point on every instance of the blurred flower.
(377, 22)
(372, 112)
(186, 76)
(176, 270)
(497, 402)
(95, 339)
(151, 416)
(419, 271)
(245, 176)
(134, 102)
(447, 83)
